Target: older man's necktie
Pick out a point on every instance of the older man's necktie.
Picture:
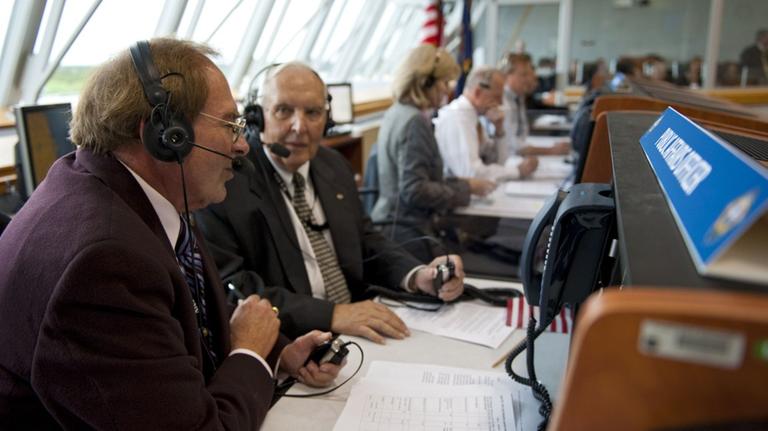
(335, 285)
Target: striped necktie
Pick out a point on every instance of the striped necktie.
(520, 121)
(191, 265)
(335, 285)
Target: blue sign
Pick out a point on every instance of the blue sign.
(714, 191)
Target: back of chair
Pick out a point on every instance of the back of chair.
(369, 194)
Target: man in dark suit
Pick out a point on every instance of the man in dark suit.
(103, 323)
(298, 225)
(755, 59)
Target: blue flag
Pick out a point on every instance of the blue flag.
(465, 48)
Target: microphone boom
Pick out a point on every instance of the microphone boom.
(239, 163)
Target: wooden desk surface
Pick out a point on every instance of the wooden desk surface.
(6, 118)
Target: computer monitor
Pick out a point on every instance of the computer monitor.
(341, 103)
(43, 132)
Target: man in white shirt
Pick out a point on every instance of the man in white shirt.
(465, 147)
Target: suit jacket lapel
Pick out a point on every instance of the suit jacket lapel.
(265, 187)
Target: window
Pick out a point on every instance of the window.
(739, 62)
(222, 25)
(5, 17)
(102, 37)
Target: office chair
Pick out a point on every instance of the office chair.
(369, 193)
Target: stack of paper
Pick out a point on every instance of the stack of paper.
(399, 396)
(542, 188)
(475, 323)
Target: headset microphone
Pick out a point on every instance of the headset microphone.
(240, 164)
(279, 150)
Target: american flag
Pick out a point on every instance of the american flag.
(433, 25)
(465, 47)
(518, 313)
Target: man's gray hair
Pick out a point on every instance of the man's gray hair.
(273, 71)
(481, 77)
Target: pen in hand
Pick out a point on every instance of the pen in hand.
(235, 291)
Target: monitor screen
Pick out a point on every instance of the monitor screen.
(43, 137)
(341, 103)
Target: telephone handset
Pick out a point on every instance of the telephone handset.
(578, 225)
(531, 259)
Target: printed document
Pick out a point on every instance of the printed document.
(403, 396)
(474, 323)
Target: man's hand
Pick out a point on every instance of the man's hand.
(452, 288)
(480, 187)
(527, 166)
(368, 319)
(561, 148)
(295, 355)
(496, 116)
(254, 326)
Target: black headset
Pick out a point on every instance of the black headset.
(168, 136)
(254, 113)
(430, 80)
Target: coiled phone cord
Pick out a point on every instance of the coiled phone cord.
(539, 391)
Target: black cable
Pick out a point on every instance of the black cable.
(539, 390)
(389, 302)
(287, 383)
(495, 296)
(196, 299)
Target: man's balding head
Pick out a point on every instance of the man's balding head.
(294, 99)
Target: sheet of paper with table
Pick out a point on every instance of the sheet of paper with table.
(400, 396)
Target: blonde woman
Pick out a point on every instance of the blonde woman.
(412, 189)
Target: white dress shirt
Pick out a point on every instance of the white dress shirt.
(171, 223)
(463, 142)
(310, 261)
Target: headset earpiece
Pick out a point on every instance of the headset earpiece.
(169, 141)
(254, 116)
(429, 82)
(166, 135)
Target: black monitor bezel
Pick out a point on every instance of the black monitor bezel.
(27, 163)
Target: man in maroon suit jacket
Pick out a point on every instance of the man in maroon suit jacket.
(99, 328)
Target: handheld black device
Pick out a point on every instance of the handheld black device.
(445, 272)
(333, 351)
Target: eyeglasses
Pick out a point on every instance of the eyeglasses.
(312, 114)
(238, 126)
